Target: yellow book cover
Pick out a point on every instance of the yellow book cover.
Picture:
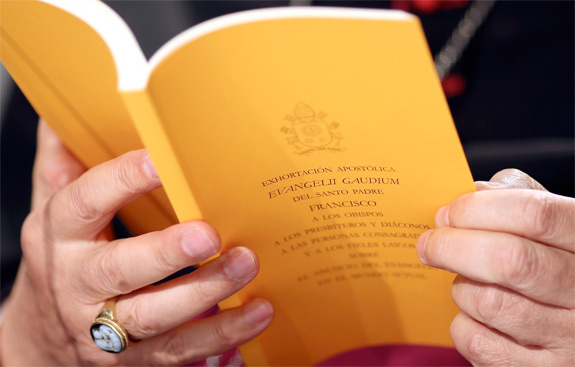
(318, 137)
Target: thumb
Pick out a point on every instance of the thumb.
(54, 165)
(510, 179)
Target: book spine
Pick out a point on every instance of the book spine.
(252, 351)
(155, 139)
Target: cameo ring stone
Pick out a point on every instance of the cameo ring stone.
(106, 332)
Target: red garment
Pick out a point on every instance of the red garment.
(385, 355)
(398, 355)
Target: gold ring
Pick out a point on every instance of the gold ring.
(106, 331)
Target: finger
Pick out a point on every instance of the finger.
(118, 265)
(54, 165)
(201, 339)
(83, 208)
(510, 179)
(539, 216)
(526, 321)
(483, 346)
(157, 309)
(542, 273)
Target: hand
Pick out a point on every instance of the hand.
(72, 265)
(512, 244)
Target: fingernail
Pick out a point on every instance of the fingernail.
(487, 185)
(199, 245)
(239, 264)
(442, 217)
(421, 242)
(149, 167)
(258, 311)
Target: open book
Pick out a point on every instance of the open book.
(318, 137)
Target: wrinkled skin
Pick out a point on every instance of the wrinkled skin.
(512, 244)
(72, 265)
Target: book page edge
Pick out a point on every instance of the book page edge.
(131, 65)
(256, 15)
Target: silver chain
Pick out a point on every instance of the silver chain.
(472, 20)
(467, 27)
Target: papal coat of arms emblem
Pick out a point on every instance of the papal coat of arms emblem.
(310, 131)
